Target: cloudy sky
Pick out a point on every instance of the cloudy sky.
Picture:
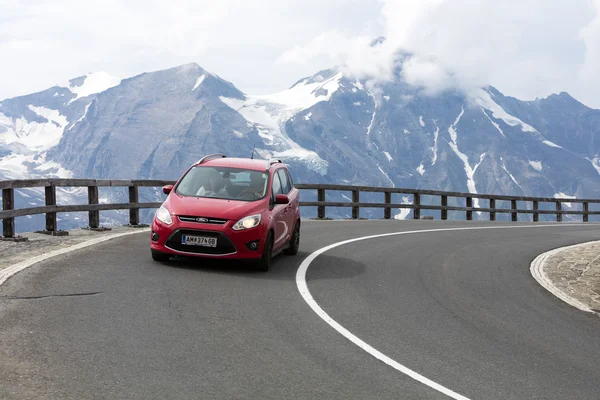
(526, 48)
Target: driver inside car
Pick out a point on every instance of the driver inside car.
(256, 188)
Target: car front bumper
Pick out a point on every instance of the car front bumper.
(230, 244)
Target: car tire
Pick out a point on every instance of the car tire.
(160, 257)
(294, 241)
(264, 264)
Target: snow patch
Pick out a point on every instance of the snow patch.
(387, 176)
(35, 136)
(484, 100)
(307, 116)
(551, 144)
(387, 98)
(94, 83)
(421, 121)
(358, 85)
(595, 163)
(238, 133)
(509, 174)
(469, 171)
(406, 132)
(389, 157)
(198, 82)
(436, 135)
(404, 211)
(357, 103)
(493, 123)
(301, 96)
(15, 166)
(269, 113)
(537, 165)
(81, 118)
(561, 195)
(421, 169)
(373, 115)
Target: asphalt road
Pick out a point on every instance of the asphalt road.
(458, 307)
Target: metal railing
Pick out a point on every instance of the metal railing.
(443, 206)
(9, 213)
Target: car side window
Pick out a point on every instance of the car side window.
(276, 189)
(290, 180)
(285, 184)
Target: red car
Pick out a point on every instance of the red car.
(229, 208)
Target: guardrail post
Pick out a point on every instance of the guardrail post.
(321, 197)
(513, 206)
(469, 205)
(94, 216)
(8, 203)
(558, 209)
(417, 209)
(536, 214)
(355, 209)
(134, 213)
(50, 194)
(444, 204)
(493, 208)
(586, 210)
(387, 212)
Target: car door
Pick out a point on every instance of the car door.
(278, 214)
(290, 214)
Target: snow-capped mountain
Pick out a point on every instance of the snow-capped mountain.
(330, 127)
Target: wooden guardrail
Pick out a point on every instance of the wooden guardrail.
(443, 207)
(9, 212)
(93, 207)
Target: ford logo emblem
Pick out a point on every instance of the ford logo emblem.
(201, 219)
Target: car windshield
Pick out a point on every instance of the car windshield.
(224, 183)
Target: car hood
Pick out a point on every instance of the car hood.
(213, 208)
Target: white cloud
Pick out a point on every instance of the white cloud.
(591, 36)
(526, 48)
(45, 43)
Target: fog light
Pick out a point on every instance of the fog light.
(155, 236)
(253, 245)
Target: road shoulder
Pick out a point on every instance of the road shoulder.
(573, 274)
(16, 256)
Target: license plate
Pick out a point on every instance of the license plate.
(199, 241)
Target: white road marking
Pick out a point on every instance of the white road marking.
(15, 268)
(303, 289)
(537, 271)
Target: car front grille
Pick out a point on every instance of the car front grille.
(224, 245)
(202, 220)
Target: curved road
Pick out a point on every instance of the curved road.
(459, 307)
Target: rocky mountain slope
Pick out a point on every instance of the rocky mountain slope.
(330, 127)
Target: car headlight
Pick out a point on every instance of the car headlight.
(164, 216)
(247, 222)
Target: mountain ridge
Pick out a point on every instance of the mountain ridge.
(330, 128)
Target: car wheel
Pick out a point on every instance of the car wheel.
(265, 261)
(160, 257)
(294, 241)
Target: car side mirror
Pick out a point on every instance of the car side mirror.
(281, 199)
(167, 189)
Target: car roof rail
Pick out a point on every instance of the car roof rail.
(210, 157)
(273, 161)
